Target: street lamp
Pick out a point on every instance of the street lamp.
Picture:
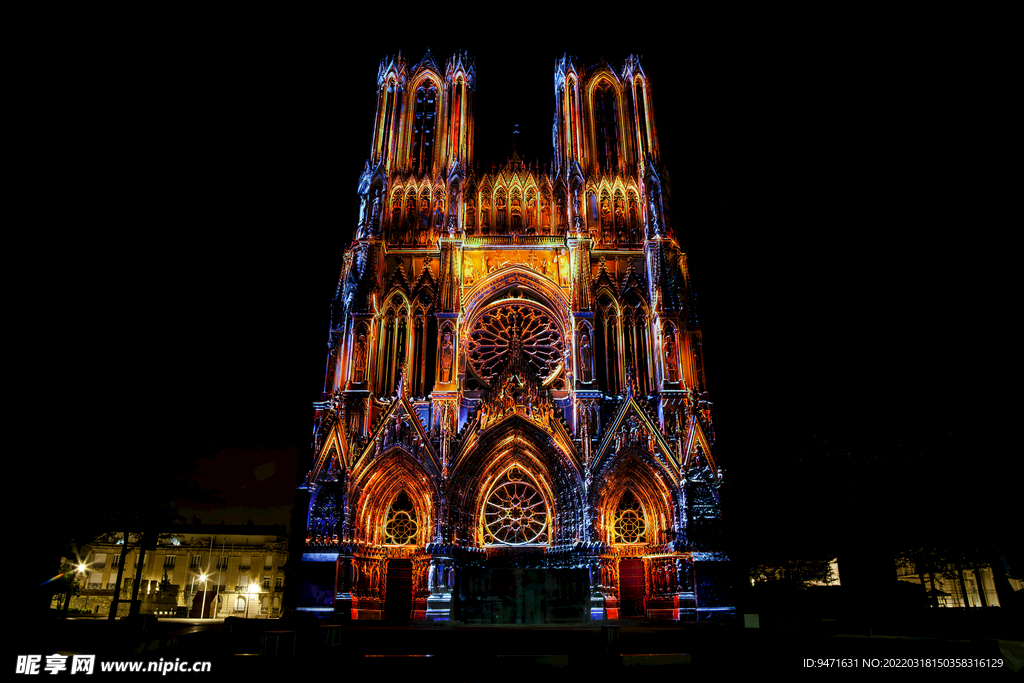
(252, 590)
(202, 580)
(80, 570)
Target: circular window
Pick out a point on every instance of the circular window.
(515, 512)
(523, 329)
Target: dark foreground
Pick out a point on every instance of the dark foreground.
(460, 652)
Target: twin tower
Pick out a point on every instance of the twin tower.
(515, 402)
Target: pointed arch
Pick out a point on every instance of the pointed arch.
(376, 487)
(423, 119)
(554, 472)
(392, 341)
(604, 96)
(633, 470)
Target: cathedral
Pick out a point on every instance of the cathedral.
(515, 426)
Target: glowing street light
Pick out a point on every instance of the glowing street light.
(253, 590)
(202, 580)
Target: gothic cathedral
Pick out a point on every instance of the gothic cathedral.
(514, 425)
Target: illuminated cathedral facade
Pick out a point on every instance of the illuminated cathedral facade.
(514, 425)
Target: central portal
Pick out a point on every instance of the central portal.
(398, 587)
(631, 588)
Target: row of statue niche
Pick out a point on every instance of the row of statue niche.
(321, 540)
(513, 219)
(614, 228)
(417, 228)
(671, 575)
(366, 577)
(534, 260)
(613, 220)
(511, 394)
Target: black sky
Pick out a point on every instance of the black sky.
(232, 154)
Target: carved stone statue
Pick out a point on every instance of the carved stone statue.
(438, 216)
(469, 274)
(671, 366)
(446, 358)
(359, 359)
(653, 216)
(586, 358)
(499, 208)
(517, 217)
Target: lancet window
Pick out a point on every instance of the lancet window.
(389, 109)
(641, 115)
(455, 114)
(573, 122)
(424, 342)
(423, 129)
(607, 322)
(606, 127)
(637, 341)
(392, 351)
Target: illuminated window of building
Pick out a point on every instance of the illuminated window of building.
(400, 523)
(630, 526)
(515, 512)
(266, 583)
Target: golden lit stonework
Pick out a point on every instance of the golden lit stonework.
(515, 377)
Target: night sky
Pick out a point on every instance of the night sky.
(236, 150)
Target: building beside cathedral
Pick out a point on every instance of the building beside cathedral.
(514, 425)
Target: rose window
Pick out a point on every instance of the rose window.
(515, 513)
(522, 328)
(400, 526)
(630, 526)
